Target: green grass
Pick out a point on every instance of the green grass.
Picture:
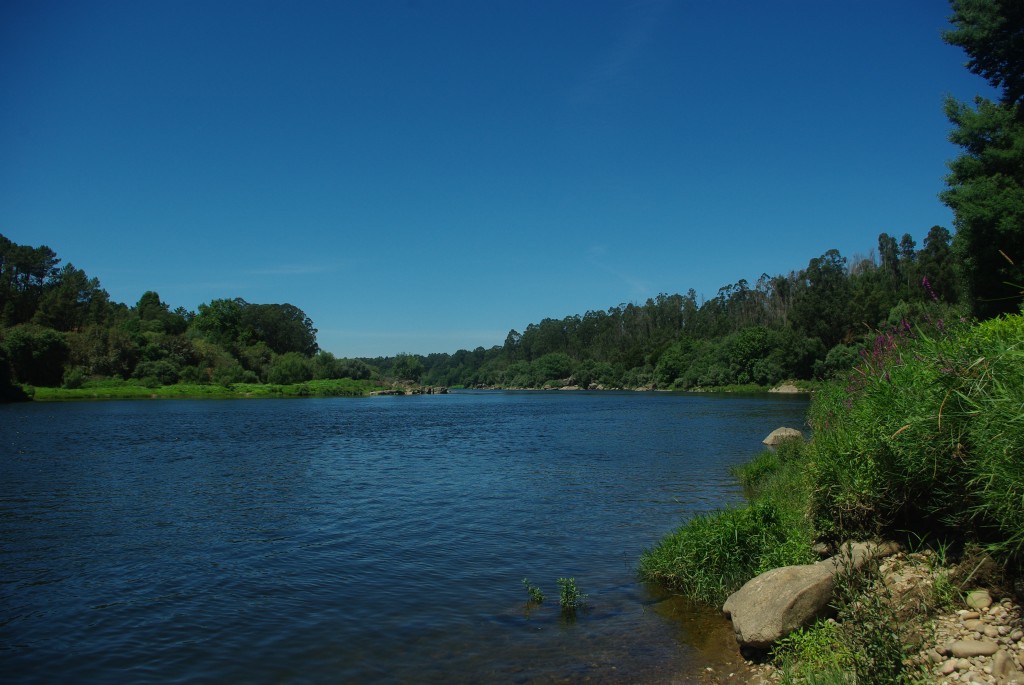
(110, 390)
(714, 554)
(928, 428)
(816, 654)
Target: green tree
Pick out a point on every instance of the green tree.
(23, 274)
(986, 182)
(71, 300)
(283, 327)
(936, 263)
(36, 354)
(157, 316)
(100, 350)
(219, 321)
(407, 367)
(290, 367)
(552, 366)
(986, 193)
(991, 32)
(822, 306)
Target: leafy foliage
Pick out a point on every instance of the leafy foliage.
(986, 182)
(570, 598)
(58, 326)
(927, 428)
(535, 593)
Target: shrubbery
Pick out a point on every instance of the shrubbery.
(925, 439)
(928, 428)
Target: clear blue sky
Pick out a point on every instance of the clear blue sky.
(423, 175)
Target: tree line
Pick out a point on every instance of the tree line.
(805, 324)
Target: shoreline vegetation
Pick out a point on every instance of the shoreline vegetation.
(127, 390)
(920, 444)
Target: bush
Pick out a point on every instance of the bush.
(289, 368)
(74, 378)
(926, 427)
(36, 354)
(160, 372)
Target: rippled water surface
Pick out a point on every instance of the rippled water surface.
(358, 540)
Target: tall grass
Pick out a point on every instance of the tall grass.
(713, 554)
(928, 427)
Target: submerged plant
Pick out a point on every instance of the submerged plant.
(569, 596)
(535, 593)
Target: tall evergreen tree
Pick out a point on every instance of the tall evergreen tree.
(986, 183)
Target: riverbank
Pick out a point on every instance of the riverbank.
(921, 444)
(125, 390)
(116, 389)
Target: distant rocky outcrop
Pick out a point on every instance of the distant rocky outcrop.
(413, 390)
(787, 388)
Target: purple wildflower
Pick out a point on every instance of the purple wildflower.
(928, 286)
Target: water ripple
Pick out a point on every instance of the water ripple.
(379, 540)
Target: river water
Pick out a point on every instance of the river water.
(376, 540)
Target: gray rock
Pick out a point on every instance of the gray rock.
(780, 434)
(778, 602)
(974, 625)
(968, 648)
(854, 555)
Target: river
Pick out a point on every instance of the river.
(375, 540)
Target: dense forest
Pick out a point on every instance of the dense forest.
(58, 327)
(802, 325)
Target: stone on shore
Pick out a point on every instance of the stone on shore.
(965, 649)
(780, 434)
(979, 599)
(777, 602)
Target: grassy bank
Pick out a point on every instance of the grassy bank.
(924, 441)
(125, 390)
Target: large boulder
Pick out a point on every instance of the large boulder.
(777, 602)
(780, 434)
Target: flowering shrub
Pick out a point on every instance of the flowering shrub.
(928, 427)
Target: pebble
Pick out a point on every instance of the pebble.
(968, 648)
(979, 599)
(983, 642)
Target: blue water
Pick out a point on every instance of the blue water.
(377, 540)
